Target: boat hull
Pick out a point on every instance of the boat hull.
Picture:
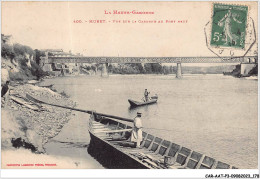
(111, 157)
(110, 143)
(137, 103)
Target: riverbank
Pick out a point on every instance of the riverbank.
(237, 72)
(26, 127)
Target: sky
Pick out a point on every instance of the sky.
(50, 25)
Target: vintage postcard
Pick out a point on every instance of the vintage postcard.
(130, 85)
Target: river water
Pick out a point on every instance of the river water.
(212, 114)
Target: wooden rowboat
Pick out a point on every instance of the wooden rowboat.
(108, 134)
(134, 103)
(26, 103)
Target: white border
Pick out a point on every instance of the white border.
(126, 173)
(120, 173)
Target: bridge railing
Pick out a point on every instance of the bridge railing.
(248, 59)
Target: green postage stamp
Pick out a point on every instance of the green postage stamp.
(229, 25)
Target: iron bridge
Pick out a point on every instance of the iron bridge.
(247, 59)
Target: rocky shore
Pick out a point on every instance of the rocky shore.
(23, 127)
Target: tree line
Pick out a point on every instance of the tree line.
(138, 68)
(20, 56)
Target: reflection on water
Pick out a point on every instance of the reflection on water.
(212, 114)
(132, 110)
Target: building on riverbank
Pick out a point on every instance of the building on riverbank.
(60, 68)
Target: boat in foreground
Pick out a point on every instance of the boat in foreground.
(134, 103)
(108, 134)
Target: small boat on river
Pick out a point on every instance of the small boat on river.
(134, 103)
(109, 134)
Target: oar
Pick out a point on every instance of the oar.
(80, 110)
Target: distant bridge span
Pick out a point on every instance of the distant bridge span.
(247, 59)
(250, 61)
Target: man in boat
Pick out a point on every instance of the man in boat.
(137, 134)
(146, 94)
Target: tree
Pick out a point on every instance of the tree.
(93, 68)
(22, 50)
(148, 68)
(38, 54)
(5, 38)
(6, 49)
(166, 70)
(156, 68)
(140, 68)
(37, 71)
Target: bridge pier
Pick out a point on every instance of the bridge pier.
(178, 73)
(104, 71)
(246, 68)
(96, 69)
(62, 72)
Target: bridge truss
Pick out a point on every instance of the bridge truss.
(247, 59)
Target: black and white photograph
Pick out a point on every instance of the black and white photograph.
(130, 85)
